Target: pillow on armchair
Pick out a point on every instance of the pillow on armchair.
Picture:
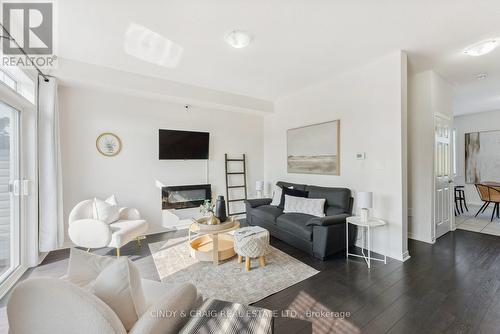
(106, 211)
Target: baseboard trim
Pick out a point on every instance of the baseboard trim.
(417, 238)
(406, 256)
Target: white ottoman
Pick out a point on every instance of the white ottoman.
(251, 242)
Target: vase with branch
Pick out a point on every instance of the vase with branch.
(208, 208)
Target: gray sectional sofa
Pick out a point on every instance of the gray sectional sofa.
(317, 236)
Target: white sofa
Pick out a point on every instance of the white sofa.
(51, 305)
(87, 232)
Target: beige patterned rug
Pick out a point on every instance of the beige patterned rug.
(228, 281)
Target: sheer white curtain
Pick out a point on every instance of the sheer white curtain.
(51, 224)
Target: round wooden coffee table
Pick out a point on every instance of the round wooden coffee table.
(212, 245)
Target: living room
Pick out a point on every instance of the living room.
(268, 167)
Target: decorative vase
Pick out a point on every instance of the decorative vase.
(212, 220)
(220, 209)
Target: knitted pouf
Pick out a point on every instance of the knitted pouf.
(251, 242)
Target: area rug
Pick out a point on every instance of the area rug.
(228, 281)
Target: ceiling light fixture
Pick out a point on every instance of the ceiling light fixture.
(481, 48)
(481, 76)
(238, 38)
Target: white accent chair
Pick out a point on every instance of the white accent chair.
(87, 232)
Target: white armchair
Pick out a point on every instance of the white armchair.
(87, 232)
(74, 305)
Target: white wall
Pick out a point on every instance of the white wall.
(484, 121)
(131, 176)
(428, 95)
(371, 105)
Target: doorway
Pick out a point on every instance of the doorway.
(443, 180)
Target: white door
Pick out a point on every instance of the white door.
(443, 186)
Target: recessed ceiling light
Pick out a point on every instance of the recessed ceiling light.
(481, 76)
(238, 38)
(481, 48)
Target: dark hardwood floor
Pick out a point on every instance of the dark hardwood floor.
(452, 286)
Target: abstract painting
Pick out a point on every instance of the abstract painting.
(314, 149)
(482, 156)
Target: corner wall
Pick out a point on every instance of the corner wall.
(370, 103)
(428, 95)
(133, 174)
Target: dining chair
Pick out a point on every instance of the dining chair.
(460, 200)
(489, 194)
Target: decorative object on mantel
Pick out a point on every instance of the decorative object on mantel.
(208, 208)
(220, 208)
(314, 149)
(108, 144)
(364, 201)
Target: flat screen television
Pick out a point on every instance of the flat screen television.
(183, 145)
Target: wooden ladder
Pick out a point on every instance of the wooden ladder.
(244, 185)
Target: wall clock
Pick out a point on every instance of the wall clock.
(108, 144)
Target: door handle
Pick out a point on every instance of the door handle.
(14, 187)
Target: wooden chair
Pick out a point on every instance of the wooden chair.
(489, 194)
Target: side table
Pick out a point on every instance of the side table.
(371, 223)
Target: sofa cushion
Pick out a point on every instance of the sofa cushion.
(310, 206)
(295, 223)
(119, 285)
(84, 267)
(276, 196)
(337, 199)
(297, 186)
(171, 310)
(267, 212)
(291, 192)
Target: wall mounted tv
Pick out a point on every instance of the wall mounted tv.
(183, 145)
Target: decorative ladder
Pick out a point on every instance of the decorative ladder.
(228, 187)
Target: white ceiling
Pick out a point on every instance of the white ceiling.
(296, 42)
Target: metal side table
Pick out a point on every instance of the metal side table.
(366, 241)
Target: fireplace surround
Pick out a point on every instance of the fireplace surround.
(184, 197)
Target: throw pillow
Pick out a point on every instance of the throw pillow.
(111, 200)
(106, 212)
(276, 196)
(310, 206)
(291, 192)
(84, 267)
(119, 286)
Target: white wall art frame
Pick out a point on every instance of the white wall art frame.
(314, 149)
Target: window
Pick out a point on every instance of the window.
(19, 81)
